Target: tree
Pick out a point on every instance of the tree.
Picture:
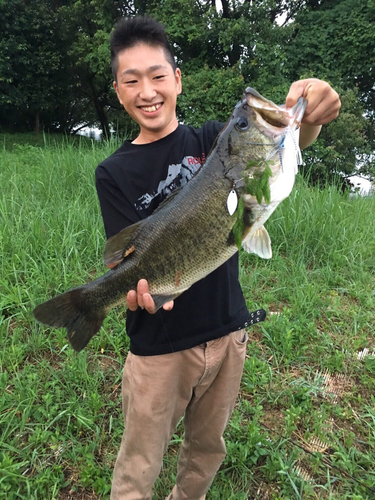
(222, 52)
(30, 64)
(87, 24)
(54, 64)
(343, 148)
(335, 40)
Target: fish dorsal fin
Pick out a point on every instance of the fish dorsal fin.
(120, 246)
(259, 243)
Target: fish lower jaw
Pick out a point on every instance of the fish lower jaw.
(282, 189)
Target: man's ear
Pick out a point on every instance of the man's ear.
(177, 75)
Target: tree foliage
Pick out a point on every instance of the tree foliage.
(55, 71)
(335, 41)
(30, 63)
(342, 144)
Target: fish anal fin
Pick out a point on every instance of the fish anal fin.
(160, 300)
(258, 242)
(120, 246)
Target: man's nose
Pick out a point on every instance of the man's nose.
(147, 91)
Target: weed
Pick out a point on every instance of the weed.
(60, 413)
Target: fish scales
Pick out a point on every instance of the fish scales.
(192, 234)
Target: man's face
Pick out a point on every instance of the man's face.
(147, 87)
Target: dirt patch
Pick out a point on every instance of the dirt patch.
(12, 325)
(77, 495)
(109, 362)
(264, 491)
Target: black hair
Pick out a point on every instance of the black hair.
(131, 31)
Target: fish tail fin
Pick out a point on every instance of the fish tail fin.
(72, 310)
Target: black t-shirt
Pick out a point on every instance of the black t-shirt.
(131, 183)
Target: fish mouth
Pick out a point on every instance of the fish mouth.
(272, 117)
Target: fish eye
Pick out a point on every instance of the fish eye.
(242, 123)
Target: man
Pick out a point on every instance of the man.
(188, 358)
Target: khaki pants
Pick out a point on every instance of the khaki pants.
(203, 383)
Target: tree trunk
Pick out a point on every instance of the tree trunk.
(103, 120)
(101, 114)
(225, 6)
(37, 123)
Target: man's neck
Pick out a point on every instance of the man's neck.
(147, 137)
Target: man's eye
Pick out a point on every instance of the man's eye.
(130, 82)
(159, 77)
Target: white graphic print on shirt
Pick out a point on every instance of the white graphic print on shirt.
(178, 175)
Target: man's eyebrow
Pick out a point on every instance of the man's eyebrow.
(151, 69)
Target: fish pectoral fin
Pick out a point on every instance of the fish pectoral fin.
(160, 300)
(120, 246)
(259, 243)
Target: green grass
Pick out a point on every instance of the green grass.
(60, 413)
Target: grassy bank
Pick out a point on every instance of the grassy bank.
(304, 425)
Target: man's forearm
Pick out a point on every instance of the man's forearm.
(308, 134)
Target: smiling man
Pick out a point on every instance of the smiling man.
(147, 86)
(187, 359)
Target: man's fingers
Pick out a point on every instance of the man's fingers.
(322, 108)
(148, 303)
(296, 91)
(316, 113)
(320, 117)
(142, 298)
(168, 306)
(142, 289)
(131, 300)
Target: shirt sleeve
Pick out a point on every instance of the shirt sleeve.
(211, 131)
(116, 210)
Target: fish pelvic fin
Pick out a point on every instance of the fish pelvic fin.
(258, 242)
(120, 246)
(72, 311)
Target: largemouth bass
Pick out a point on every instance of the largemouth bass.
(249, 171)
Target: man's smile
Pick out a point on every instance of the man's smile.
(151, 109)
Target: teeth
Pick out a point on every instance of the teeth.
(151, 108)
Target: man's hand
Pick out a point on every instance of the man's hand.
(142, 298)
(323, 104)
